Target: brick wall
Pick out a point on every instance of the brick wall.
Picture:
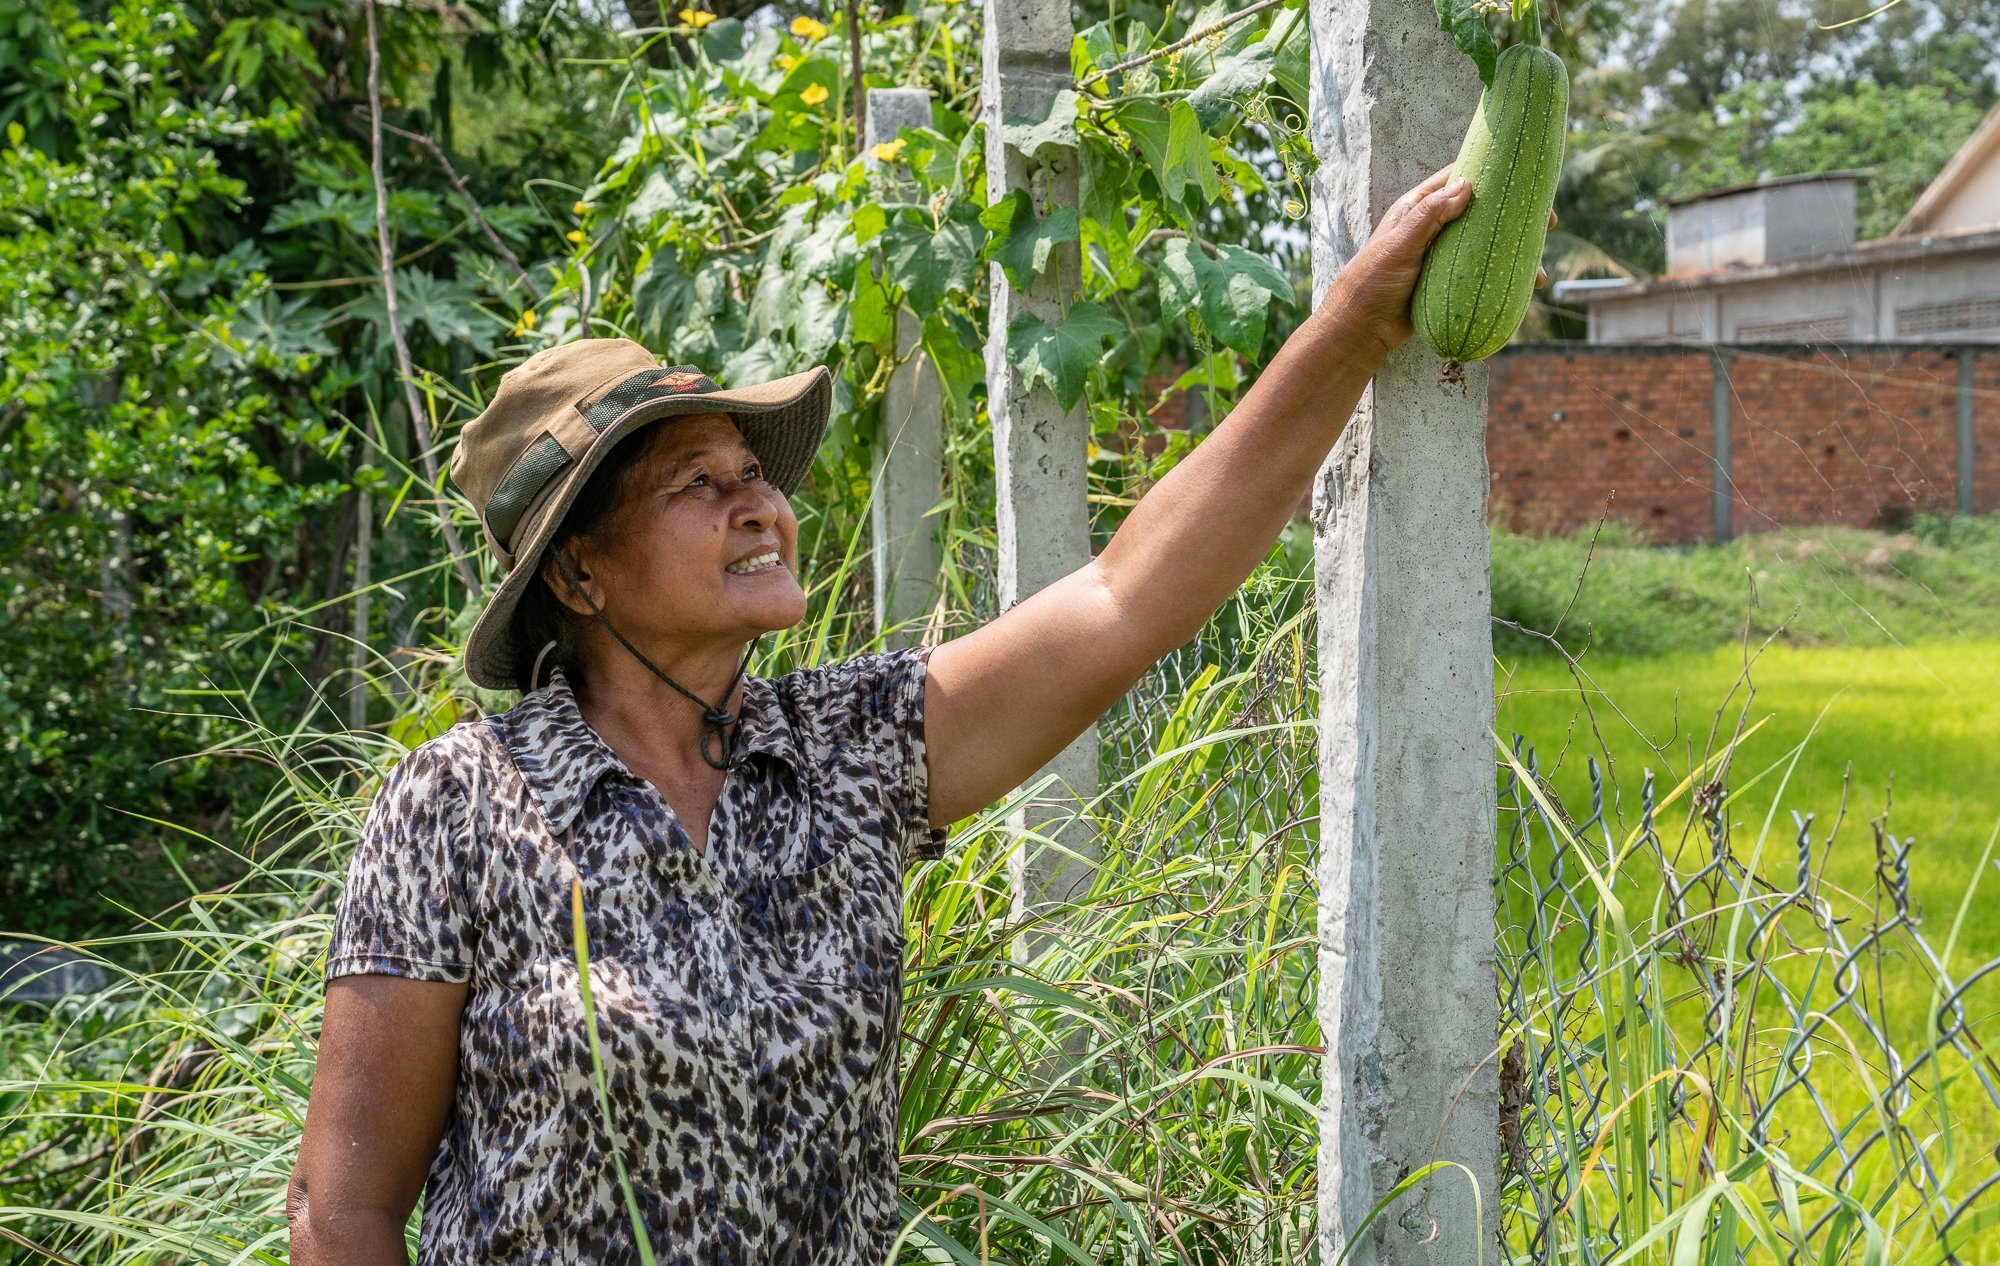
(1986, 440)
(1863, 435)
(1574, 433)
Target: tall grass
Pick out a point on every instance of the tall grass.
(1701, 1061)
(1143, 1088)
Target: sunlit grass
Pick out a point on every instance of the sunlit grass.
(1143, 1088)
(1880, 1146)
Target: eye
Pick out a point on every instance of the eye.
(753, 471)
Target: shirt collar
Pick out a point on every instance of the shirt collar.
(562, 758)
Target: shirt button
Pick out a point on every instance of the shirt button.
(739, 1215)
(710, 903)
(726, 1007)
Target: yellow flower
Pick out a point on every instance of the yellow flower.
(786, 61)
(814, 94)
(808, 28)
(579, 208)
(696, 18)
(526, 323)
(574, 235)
(887, 151)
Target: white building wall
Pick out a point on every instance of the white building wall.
(1943, 298)
(1975, 205)
(1946, 298)
(1716, 232)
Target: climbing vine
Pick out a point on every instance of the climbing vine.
(740, 225)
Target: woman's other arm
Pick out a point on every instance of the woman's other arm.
(1003, 700)
(381, 1095)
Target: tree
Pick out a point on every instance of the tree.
(192, 349)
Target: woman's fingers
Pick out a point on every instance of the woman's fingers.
(1552, 219)
(1541, 278)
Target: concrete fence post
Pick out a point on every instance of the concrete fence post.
(1408, 1000)
(1039, 450)
(909, 446)
(1722, 501)
(1967, 441)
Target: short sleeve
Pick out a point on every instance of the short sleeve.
(876, 703)
(403, 910)
(905, 673)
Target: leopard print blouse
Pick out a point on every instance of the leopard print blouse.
(748, 1001)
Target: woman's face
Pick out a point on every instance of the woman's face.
(700, 548)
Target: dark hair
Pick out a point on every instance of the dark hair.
(541, 617)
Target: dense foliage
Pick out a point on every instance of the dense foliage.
(1674, 98)
(192, 348)
(199, 388)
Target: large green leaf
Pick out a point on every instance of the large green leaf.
(950, 340)
(874, 318)
(1188, 161)
(925, 263)
(1058, 127)
(1103, 177)
(1061, 356)
(1235, 76)
(661, 297)
(1148, 124)
(446, 310)
(1021, 241)
(723, 39)
(1293, 56)
(1465, 22)
(1232, 292)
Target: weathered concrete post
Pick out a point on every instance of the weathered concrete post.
(1406, 923)
(1039, 451)
(1967, 443)
(909, 449)
(1722, 492)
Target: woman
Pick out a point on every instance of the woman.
(739, 842)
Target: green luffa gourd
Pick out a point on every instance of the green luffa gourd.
(1479, 273)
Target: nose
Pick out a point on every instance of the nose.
(756, 505)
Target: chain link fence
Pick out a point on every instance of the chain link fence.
(1754, 1029)
(1693, 1042)
(1761, 1044)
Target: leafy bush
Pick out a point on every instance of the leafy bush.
(191, 346)
(150, 473)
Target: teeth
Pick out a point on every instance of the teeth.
(752, 564)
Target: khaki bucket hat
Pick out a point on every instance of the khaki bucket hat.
(551, 423)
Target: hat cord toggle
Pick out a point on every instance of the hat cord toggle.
(717, 717)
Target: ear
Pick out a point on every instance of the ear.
(561, 585)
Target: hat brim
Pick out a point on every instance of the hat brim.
(783, 423)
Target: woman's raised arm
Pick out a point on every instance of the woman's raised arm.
(1002, 701)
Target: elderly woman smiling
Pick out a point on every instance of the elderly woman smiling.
(739, 841)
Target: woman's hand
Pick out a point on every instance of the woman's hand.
(1002, 701)
(1372, 294)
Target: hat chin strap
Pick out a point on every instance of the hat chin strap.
(718, 718)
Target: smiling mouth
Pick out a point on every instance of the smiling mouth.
(752, 566)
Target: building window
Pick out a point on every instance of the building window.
(1818, 329)
(1943, 318)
